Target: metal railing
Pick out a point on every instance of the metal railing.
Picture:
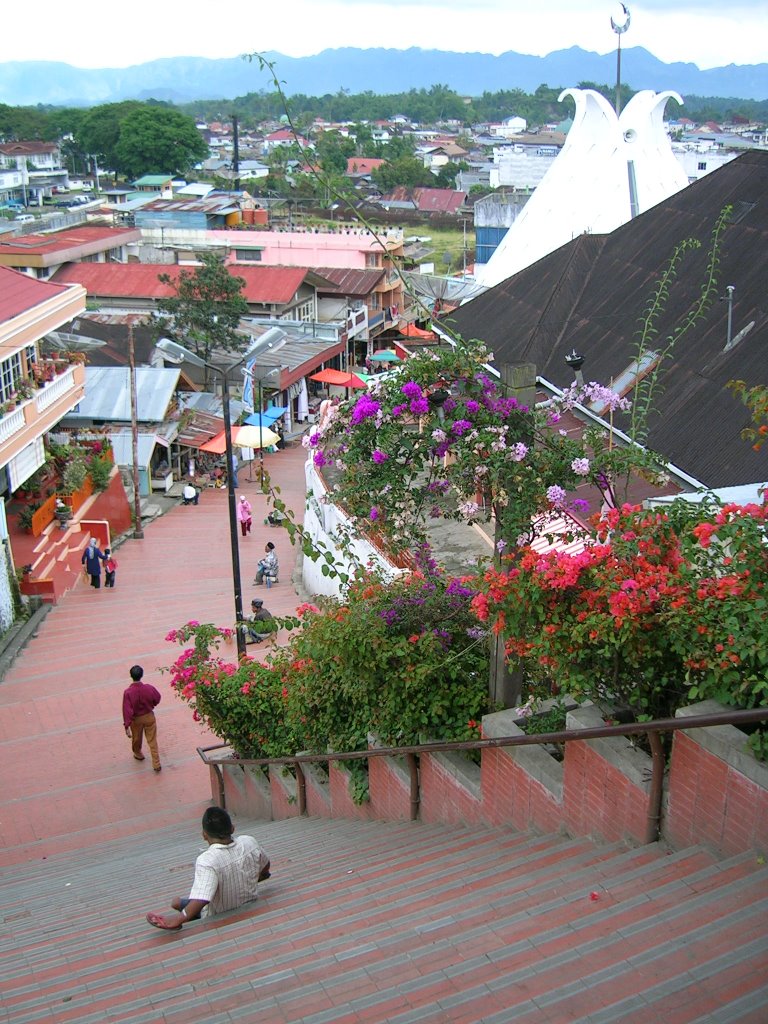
(651, 729)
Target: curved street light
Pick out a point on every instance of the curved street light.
(177, 353)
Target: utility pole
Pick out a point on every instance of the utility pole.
(138, 532)
(235, 153)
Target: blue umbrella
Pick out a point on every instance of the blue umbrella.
(386, 356)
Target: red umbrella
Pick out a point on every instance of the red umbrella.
(341, 380)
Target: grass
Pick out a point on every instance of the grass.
(446, 247)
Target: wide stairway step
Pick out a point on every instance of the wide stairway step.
(390, 922)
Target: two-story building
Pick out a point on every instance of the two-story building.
(38, 167)
(41, 255)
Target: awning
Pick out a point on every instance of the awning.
(266, 418)
(338, 379)
(122, 447)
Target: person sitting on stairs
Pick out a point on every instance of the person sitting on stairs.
(227, 874)
(268, 565)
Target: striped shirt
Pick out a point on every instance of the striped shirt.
(226, 875)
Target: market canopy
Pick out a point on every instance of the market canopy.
(266, 418)
(386, 356)
(339, 379)
(412, 331)
(244, 437)
(254, 437)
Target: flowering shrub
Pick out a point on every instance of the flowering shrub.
(441, 438)
(406, 660)
(665, 607)
(242, 704)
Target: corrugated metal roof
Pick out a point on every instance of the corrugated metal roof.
(108, 394)
(350, 282)
(263, 285)
(85, 235)
(122, 447)
(591, 295)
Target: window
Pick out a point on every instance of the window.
(10, 370)
(372, 259)
(702, 165)
(248, 255)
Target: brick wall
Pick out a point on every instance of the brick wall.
(389, 786)
(717, 794)
(450, 790)
(341, 801)
(283, 789)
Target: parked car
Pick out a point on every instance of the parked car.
(60, 190)
(12, 204)
(24, 218)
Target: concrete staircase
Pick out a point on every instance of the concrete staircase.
(390, 922)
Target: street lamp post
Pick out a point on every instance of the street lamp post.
(178, 353)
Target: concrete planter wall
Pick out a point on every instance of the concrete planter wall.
(717, 792)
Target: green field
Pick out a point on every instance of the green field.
(446, 247)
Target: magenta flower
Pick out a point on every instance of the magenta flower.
(364, 409)
(379, 456)
(411, 390)
(373, 515)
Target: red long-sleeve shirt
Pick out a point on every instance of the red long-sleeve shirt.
(139, 699)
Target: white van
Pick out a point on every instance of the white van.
(24, 218)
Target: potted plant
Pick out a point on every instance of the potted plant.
(63, 513)
(25, 516)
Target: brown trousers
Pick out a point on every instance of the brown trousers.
(145, 725)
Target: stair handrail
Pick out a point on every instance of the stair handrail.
(410, 752)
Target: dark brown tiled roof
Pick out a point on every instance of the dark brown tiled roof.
(347, 281)
(591, 295)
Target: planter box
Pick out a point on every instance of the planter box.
(717, 792)
(450, 789)
(606, 783)
(389, 784)
(521, 786)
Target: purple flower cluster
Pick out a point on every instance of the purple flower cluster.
(379, 456)
(556, 496)
(412, 390)
(460, 427)
(364, 409)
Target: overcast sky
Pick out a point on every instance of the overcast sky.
(709, 33)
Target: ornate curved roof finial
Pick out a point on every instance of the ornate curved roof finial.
(619, 29)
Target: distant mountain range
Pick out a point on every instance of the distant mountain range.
(382, 71)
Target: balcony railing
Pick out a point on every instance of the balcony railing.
(53, 391)
(11, 423)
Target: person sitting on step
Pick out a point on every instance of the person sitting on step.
(257, 629)
(227, 874)
(268, 565)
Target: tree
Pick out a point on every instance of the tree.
(155, 139)
(204, 313)
(406, 170)
(99, 131)
(332, 151)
